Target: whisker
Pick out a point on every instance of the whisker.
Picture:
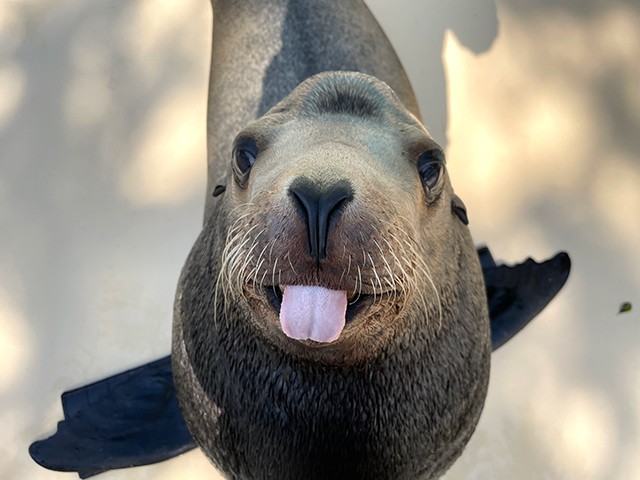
(387, 266)
(360, 289)
(273, 276)
(377, 278)
(291, 264)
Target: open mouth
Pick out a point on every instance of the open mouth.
(355, 303)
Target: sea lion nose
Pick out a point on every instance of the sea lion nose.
(320, 207)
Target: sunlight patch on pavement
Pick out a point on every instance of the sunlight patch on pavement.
(159, 36)
(169, 163)
(616, 197)
(12, 87)
(15, 343)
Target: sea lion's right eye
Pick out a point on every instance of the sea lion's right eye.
(244, 156)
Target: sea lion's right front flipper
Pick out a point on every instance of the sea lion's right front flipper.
(516, 294)
(127, 420)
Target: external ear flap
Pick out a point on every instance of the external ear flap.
(457, 207)
(220, 187)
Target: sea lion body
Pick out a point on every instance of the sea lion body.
(339, 189)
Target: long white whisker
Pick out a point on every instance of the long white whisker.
(387, 266)
(377, 278)
(273, 276)
(291, 264)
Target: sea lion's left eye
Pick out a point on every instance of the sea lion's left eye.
(244, 160)
(430, 168)
(430, 174)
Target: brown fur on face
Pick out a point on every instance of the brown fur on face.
(390, 243)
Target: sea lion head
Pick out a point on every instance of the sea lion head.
(342, 230)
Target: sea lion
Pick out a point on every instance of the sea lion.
(368, 355)
(334, 201)
(331, 319)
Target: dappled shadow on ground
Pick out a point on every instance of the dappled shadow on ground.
(542, 151)
(102, 172)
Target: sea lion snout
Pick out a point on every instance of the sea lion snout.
(319, 207)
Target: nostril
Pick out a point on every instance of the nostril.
(337, 207)
(330, 209)
(307, 207)
(319, 208)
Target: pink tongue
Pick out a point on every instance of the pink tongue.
(313, 312)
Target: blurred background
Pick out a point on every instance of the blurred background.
(102, 177)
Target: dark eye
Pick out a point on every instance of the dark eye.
(245, 152)
(430, 168)
(430, 174)
(244, 161)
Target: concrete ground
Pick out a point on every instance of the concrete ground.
(102, 174)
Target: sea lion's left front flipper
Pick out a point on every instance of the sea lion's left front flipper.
(517, 294)
(127, 420)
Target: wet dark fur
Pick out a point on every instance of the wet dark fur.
(406, 414)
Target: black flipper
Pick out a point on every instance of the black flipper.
(133, 418)
(127, 420)
(517, 294)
